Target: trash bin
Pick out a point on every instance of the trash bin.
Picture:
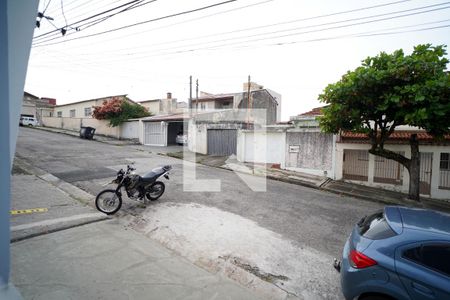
(87, 132)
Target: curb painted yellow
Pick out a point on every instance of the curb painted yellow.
(28, 211)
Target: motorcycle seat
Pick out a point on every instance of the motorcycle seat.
(153, 174)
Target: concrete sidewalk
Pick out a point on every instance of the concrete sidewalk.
(118, 142)
(97, 137)
(60, 253)
(106, 261)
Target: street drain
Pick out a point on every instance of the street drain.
(268, 277)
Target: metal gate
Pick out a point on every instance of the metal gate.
(356, 165)
(155, 134)
(426, 162)
(388, 170)
(222, 142)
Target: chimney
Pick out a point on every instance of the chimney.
(169, 95)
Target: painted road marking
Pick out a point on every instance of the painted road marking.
(28, 211)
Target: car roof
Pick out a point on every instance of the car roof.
(424, 219)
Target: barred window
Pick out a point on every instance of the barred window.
(445, 161)
(444, 172)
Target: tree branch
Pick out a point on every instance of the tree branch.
(406, 162)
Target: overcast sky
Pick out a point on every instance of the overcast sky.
(294, 47)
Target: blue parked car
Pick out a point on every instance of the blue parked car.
(397, 253)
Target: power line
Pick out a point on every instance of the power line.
(182, 22)
(363, 34)
(136, 5)
(91, 17)
(323, 29)
(269, 25)
(63, 30)
(306, 27)
(380, 32)
(45, 9)
(40, 44)
(92, 22)
(149, 21)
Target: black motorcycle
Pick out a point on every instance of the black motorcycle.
(137, 188)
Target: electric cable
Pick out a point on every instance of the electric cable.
(152, 20)
(257, 27)
(88, 18)
(379, 32)
(304, 27)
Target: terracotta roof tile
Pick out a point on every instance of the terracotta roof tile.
(313, 112)
(396, 135)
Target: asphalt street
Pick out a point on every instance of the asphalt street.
(308, 225)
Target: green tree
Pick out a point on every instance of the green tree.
(118, 111)
(390, 90)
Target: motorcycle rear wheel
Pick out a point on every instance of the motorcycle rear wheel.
(156, 191)
(108, 202)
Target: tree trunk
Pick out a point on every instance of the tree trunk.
(414, 169)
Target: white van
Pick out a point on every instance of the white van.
(28, 121)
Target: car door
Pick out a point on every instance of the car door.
(424, 269)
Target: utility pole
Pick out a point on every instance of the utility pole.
(196, 96)
(248, 100)
(190, 96)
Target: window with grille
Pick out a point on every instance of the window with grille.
(445, 161)
(444, 171)
(72, 113)
(87, 112)
(59, 114)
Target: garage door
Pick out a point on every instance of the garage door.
(356, 165)
(155, 134)
(222, 142)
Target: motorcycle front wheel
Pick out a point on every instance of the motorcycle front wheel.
(108, 202)
(155, 191)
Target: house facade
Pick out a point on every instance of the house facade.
(297, 145)
(84, 108)
(29, 105)
(33, 106)
(217, 118)
(164, 106)
(162, 130)
(301, 146)
(354, 163)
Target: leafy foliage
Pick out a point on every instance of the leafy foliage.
(118, 111)
(389, 90)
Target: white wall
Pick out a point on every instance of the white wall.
(436, 150)
(129, 130)
(126, 130)
(78, 107)
(152, 106)
(261, 146)
(197, 137)
(313, 154)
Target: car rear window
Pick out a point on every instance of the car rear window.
(375, 227)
